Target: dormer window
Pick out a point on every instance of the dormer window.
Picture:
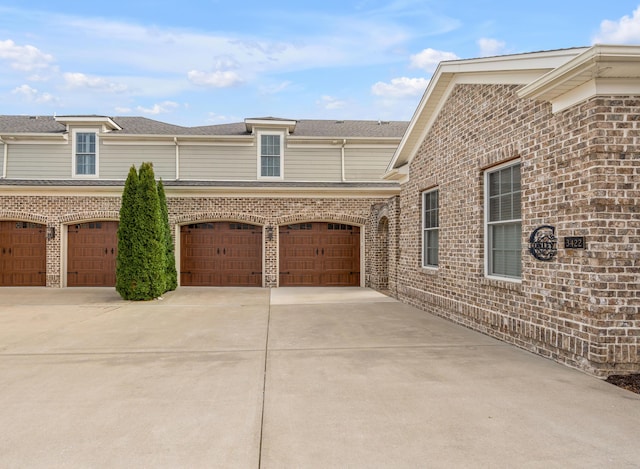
(270, 155)
(85, 156)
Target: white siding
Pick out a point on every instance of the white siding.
(1, 158)
(366, 164)
(218, 162)
(313, 164)
(115, 160)
(39, 161)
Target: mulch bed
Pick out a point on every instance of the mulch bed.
(629, 382)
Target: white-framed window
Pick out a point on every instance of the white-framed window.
(430, 228)
(85, 153)
(270, 155)
(503, 222)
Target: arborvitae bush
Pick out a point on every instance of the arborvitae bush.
(125, 277)
(171, 275)
(143, 263)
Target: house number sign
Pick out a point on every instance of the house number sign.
(543, 244)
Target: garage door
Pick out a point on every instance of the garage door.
(221, 254)
(319, 254)
(23, 254)
(92, 250)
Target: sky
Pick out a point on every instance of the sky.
(204, 62)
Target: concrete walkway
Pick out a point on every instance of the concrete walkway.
(286, 378)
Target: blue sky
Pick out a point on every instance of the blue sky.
(201, 62)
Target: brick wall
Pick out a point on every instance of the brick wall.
(58, 211)
(581, 174)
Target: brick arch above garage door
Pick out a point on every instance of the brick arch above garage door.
(23, 253)
(319, 254)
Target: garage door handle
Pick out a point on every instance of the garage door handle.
(323, 251)
(224, 251)
(218, 251)
(106, 250)
(111, 250)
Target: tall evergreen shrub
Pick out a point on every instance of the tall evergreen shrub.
(125, 276)
(171, 275)
(144, 264)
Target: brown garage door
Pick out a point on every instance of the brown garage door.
(92, 250)
(23, 254)
(221, 254)
(319, 254)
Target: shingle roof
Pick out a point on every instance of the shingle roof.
(143, 126)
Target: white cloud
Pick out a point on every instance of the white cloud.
(161, 108)
(123, 110)
(275, 89)
(490, 47)
(217, 79)
(400, 87)
(429, 59)
(80, 80)
(33, 95)
(329, 103)
(220, 119)
(24, 58)
(624, 31)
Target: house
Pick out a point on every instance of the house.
(265, 202)
(519, 209)
(509, 203)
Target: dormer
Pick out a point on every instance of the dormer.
(104, 123)
(270, 123)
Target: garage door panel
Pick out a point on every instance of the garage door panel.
(318, 254)
(92, 250)
(23, 252)
(221, 254)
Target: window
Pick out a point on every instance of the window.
(270, 156)
(86, 155)
(430, 228)
(503, 222)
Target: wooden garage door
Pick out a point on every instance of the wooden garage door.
(92, 250)
(319, 254)
(23, 254)
(221, 254)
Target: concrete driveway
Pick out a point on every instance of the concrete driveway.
(286, 378)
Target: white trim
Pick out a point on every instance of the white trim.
(423, 229)
(259, 136)
(515, 69)
(487, 241)
(74, 148)
(5, 148)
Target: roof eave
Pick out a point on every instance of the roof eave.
(583, 68)
(483, 70)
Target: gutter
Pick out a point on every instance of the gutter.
(175, 140)
(6, 157)
(344, 142)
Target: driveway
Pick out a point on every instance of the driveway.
(286, 378)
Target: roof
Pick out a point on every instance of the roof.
(562, 77)
(50, 125)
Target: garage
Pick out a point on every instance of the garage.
(221, 254)
(319, 254)
(23, 254)
(92, 250)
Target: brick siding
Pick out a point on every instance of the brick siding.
(59, 211)
(580, 173)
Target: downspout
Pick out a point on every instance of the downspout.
(344, 142)
(5, 158)
(175, 140)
